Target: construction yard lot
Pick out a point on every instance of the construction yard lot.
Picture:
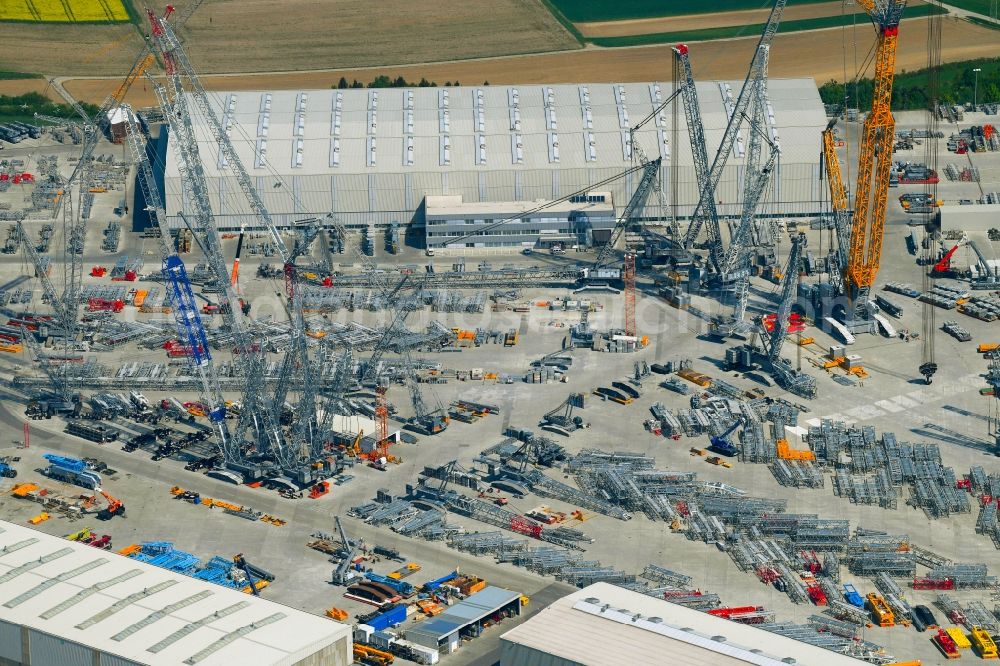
(891, 399)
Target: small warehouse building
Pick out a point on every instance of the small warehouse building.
(67, 603)
(466, 619)
(579, 221)
(607, 625)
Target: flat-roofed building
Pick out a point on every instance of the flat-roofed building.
(67, 603)
(607, 625)
(371, 156)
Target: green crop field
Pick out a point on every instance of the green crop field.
(749, 30)
(605, 10)
(984, 7)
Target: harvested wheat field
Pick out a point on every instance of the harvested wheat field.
(67, 49)
(648, 26)
(818, 54)
(265, 35)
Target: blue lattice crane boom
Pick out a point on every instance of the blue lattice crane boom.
(702, 210)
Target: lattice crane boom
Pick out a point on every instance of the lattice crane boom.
(838, 202)
(177, 65)
(702, 211)
(788, 286)
(755, 182)
(48, 288)
(254, 413)
(696, 134)
(875, 154)
(650, 173)
(643, 160)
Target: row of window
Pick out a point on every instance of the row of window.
(495, 232)
(524, 220)
(490, 244)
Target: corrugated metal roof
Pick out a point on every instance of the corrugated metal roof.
(558, 127)
(475, 607)
(144, 613)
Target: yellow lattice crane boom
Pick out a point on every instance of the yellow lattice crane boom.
(838, 195)
(875, 159)
(138, 69)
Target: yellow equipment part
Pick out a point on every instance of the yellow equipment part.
(40, 518)
(82, 534)
(261, 584)
(880, 610)
(138, 70)
(957, 635)
(128, 551)
(983, 644)
(372, 655)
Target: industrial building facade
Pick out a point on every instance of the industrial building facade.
(371, 156)
(70, 604)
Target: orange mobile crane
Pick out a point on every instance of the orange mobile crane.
(863, 252)
(114, 508)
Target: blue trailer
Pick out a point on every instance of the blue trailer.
(390, 618)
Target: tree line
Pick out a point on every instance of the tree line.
(28, 104)
(383, 81)
(956, 85)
